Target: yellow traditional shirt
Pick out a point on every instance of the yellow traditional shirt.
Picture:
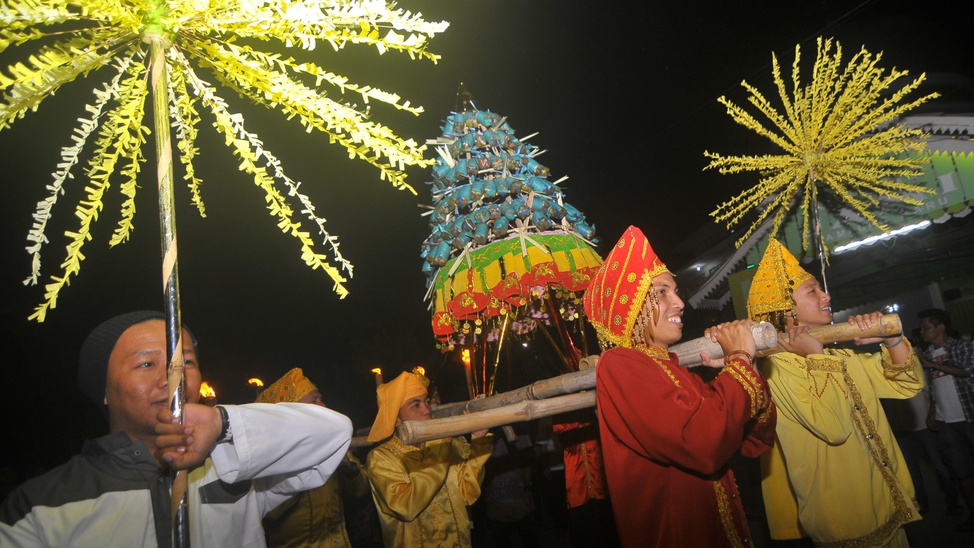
(422, 493)
(836, 474)
(316, 518)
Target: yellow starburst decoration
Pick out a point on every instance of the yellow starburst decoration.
(79, 38)
(838, 134)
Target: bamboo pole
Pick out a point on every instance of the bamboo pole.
(569, 383)
(689, 352)
(414, 432)
(170, 271)
(887, 326)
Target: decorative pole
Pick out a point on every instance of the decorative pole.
(497, 357)
(159, 42)
(467, 368)
(819, 239)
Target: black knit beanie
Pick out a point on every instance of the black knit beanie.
(93, 362)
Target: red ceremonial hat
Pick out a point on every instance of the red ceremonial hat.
(617, 293)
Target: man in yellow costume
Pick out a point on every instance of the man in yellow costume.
(316, 517)
(835, 473)
(422, 492)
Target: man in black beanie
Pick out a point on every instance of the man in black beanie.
(243, 460)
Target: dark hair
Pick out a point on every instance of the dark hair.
(98, 346)
(936, 316)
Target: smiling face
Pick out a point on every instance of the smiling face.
(136, 389)
(812, 305)
(668, 329)
(415, 409)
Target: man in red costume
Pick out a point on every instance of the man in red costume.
(666, 434)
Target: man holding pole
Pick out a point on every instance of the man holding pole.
(422, 492)
(315, 518)
(243, 460)
(836, 473)
(667, 436)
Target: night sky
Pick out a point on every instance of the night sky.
(623, 96)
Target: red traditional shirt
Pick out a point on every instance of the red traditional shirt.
(666, 439)
(584, 473)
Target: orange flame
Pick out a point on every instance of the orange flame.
(377, 371)
(206, 391)
(256, 382)
(465, 356)
(419, 369)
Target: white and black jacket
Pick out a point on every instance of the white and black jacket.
(115, 494)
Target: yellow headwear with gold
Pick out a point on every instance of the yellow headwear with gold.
(290, 388)
(775, 281)
(391, 395)
(616, 295)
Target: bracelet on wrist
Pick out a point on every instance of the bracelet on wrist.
(746, 355)
(898, 341)
(226, 433)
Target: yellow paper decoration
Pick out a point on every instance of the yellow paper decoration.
(108, 34)
(837, 133)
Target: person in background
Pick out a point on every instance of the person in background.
(949, 364)
(314, 518)
(422, 492)
(908, 419)
(836, 473)
(589, 513)
(242, 460)
(667, 435)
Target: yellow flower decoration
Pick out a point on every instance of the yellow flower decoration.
(220, 36)
(838, 134)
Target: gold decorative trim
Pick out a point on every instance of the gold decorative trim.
(748, 381)
(726, 515)
(879, 537)
(658, 354)
(880, 455)
(830, 364)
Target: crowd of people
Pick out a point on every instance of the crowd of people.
(836, 432)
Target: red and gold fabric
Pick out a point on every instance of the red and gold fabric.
(664, 426)
(486, 280)
(584, 471)
(617, 293)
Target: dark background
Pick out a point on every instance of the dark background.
(622, 94)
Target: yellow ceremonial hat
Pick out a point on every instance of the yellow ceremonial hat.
(391, 395)
(616, 295)
(290, 388)
(775, 280)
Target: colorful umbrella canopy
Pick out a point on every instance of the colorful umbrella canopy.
(503, 241)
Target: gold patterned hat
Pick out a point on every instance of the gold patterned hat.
(290, 388)
(390, 396)
(616, 295)
(775, 280)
